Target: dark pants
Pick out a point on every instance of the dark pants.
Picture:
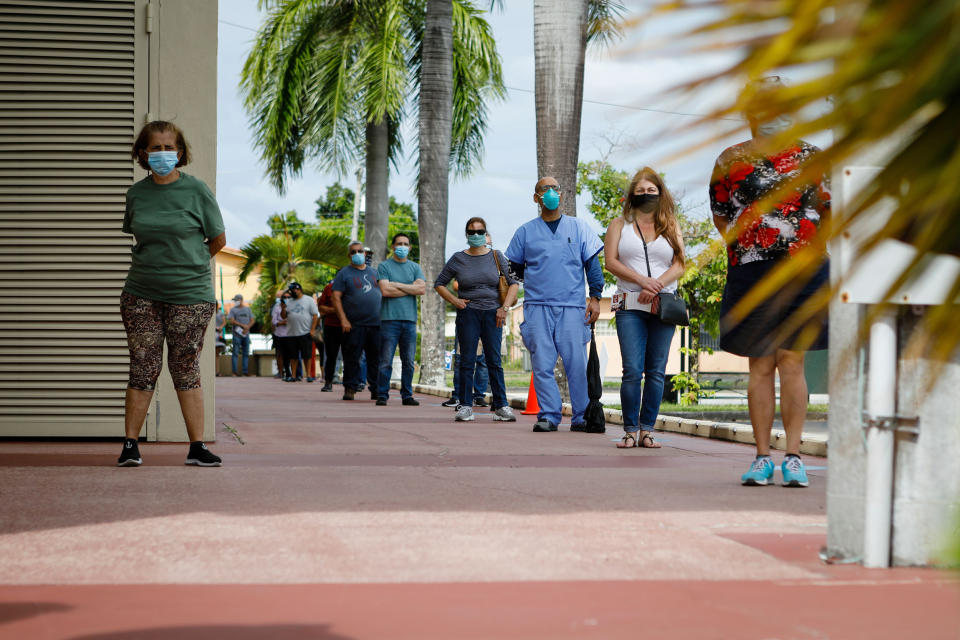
(280, 344)
(481, 378)
(359, 340)
(392, 333)
(332, 339)
(298, 348)
(473, 326)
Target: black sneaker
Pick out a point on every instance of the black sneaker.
(411, 402)
(326, 387)
(201, 456)
(381, 402)
(452, 402)
(130, 456)
(348, 394)
(309, 379)
(544, 426)
(480, 402)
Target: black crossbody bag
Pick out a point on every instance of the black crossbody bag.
(672, 308)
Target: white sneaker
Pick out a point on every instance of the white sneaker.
(504, 414)
(464, 414)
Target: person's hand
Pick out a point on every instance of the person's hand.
(593, 311)
(346, 326)
(460, 303)
(650, 284)
(645, 297)
(501, 316)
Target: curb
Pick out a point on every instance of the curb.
(810, 444)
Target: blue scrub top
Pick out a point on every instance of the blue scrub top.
(553, 273)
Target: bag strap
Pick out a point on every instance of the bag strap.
(646, 257)
(497, 262)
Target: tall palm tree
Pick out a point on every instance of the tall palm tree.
(436, 127)
(561, 31)
(328, 82)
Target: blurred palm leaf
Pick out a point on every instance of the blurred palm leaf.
(890, 72)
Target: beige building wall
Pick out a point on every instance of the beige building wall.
(226, 272)
(183, 89)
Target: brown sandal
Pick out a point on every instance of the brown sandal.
(647, 442)
(628, 441)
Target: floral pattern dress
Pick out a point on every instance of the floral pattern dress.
(742, 177)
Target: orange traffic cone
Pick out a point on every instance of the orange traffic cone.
(533, 408)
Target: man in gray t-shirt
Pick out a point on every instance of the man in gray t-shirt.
(356, 298)
(301, 315)
(241, 319)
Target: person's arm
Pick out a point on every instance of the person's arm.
(215, 244)
(440, 285)
(338, 307)
(594, 274)
(390, 289)
(253, 320)
(459, 303)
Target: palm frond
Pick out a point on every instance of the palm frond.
(322, 248)
(889, 72)
(604, 19)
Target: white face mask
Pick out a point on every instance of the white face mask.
(773, 127)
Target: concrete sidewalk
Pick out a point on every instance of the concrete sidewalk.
(335, 519)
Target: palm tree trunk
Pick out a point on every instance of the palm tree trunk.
(378, 174)
(559, 45)
(436, 109)
(355, 224)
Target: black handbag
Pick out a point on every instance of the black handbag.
(672, 309)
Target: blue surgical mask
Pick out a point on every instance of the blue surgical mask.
(357, 259)
(550, 199)
(162, 162)
(476, 241)
(401, 252)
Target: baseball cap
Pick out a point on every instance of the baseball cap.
(237, 297)
(294, 285)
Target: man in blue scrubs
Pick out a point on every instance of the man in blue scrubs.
(556, 256)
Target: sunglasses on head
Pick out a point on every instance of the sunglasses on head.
(476, 232)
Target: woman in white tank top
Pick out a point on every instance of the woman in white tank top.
(647, 231)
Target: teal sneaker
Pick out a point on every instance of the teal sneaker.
(794, 474)
(760, 473)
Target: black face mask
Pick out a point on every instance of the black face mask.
(646, 202)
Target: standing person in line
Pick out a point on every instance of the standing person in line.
(356, 297)
(280, 332)
(301, 315)
(556, 257)
(646, 230)
(220, 321)
(401, 281)
(758, 241)
(332, 336)
(168, 296)
(241, 318)
(480, 315)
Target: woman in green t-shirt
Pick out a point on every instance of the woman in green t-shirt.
(168, 295)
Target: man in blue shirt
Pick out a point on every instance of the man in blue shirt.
(356, 299)
(552, 254)
(401, 281)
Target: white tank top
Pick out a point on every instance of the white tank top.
(630, 253)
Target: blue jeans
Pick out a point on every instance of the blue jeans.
(241, 344)
(473, 326)
(644, 347)
(393, 332)
(481, 377)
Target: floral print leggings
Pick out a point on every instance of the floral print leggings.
(148, 323)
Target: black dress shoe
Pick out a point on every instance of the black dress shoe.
(411, 402)
(480, 402)
(544, 426)
(326, 387)
(382, 402)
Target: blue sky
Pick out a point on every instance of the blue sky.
(625, 101)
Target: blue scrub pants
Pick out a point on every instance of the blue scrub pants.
(548, 331)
